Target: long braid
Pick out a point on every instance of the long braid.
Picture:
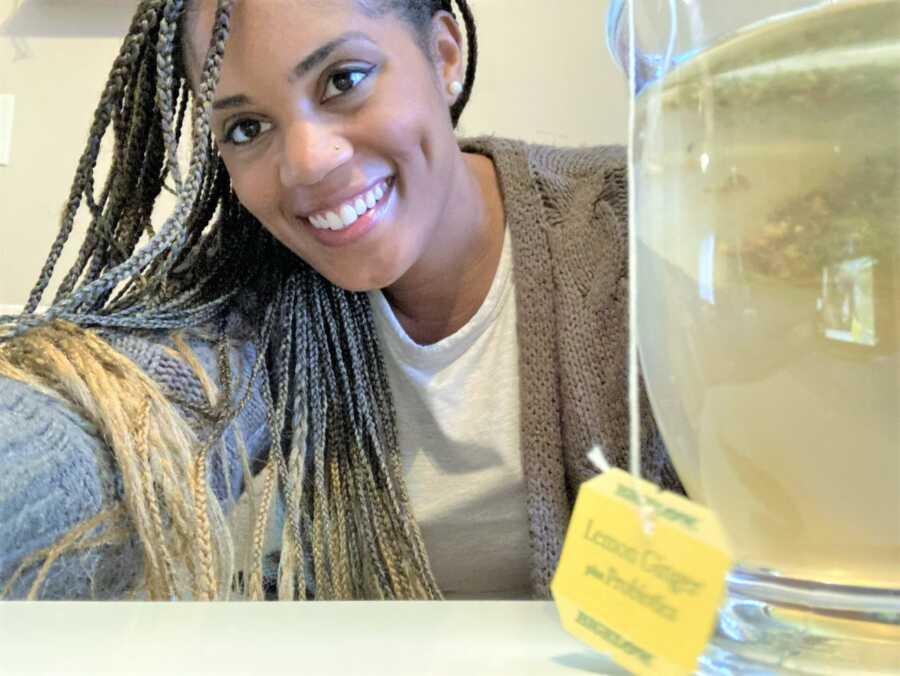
(165, 65)
(119, 226)
(145, 19)
(471, 58)
(96, 288)
(378, 412)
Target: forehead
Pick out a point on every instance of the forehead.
(255, 22)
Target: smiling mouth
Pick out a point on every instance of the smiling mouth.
(346, 214)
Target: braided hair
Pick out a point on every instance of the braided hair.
(348, 530)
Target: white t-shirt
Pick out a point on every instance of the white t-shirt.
(457, 405)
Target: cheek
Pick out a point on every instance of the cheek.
(421, 142)
(412, 118)
(257, 190)
(396, 132)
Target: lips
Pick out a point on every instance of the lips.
(345, 213)
(337, 226)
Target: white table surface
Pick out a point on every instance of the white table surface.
(515, 638)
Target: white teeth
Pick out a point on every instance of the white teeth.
(348, 215)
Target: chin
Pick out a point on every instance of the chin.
(361, 282)
(376, 273)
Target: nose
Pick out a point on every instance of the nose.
(311, 152)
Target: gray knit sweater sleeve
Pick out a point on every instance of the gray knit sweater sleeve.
(55, 472)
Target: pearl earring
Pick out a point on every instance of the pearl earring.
(455, 88)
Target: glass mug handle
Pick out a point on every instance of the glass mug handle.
(650, 65)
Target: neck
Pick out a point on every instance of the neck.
(447, 286)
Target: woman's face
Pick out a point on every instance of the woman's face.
(335, 130)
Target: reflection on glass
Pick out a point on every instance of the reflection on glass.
(848, 302)
(707, 270)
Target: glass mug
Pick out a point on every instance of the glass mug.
(766, 179)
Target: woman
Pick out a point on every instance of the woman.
(430, 333)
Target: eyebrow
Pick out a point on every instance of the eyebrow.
(301, 69)
(325, 51)
(231, 102)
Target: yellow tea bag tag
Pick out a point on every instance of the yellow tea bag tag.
(647, 597)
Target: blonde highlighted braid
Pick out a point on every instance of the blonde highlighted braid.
(348, 530)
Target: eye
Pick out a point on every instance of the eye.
(245, 131)
(343, 81)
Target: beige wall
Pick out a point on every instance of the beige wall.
(544, 75)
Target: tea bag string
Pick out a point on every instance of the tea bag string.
(634, 405)
(596, 455)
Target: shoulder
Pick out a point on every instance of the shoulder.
(572, 182)
(581, 196)
(186, 364)
(585, 164)
(188, 369)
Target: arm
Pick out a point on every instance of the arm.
(56, 473)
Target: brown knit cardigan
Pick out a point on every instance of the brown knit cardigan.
(567, 213)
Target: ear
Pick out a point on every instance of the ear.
(447, 52)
